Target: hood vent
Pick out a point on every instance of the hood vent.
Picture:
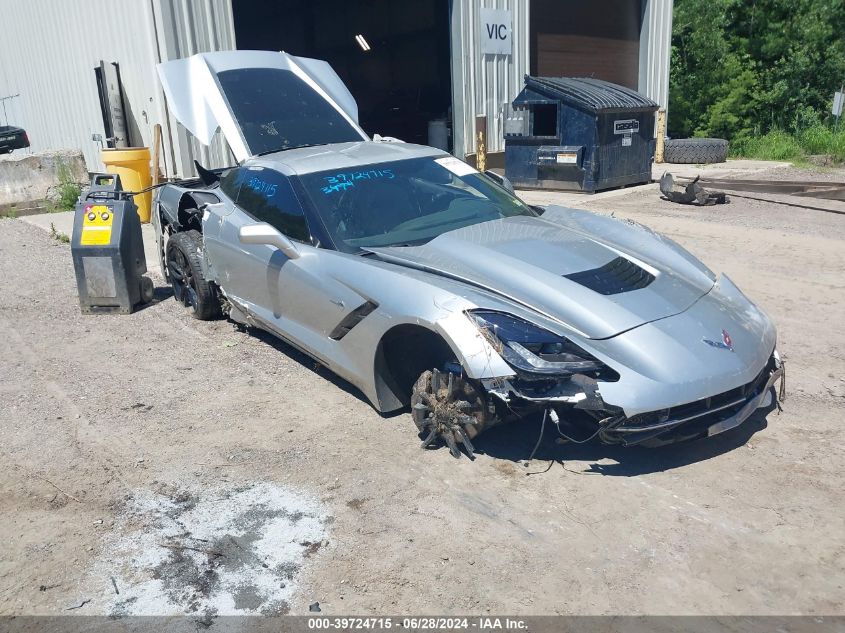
(615, 277)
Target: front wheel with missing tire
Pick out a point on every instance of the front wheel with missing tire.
(184, 269)
(450, 408)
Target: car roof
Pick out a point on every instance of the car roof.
(306, 160)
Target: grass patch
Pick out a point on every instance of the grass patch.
(793, 146)
(64, 238)
(68, 190)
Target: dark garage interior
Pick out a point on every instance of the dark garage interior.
(401, 83)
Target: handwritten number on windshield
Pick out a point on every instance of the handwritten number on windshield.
(268, 190)
(343, 181)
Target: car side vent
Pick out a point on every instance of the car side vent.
(352, 319)
(616, 276)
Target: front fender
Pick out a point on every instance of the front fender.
(406, 297)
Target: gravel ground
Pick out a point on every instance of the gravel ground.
(817, 174)
(100, 415)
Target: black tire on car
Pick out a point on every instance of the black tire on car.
(184, 269)
(695, 150)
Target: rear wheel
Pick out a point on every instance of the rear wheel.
(184, 268)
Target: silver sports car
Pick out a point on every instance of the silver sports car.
(429, 285)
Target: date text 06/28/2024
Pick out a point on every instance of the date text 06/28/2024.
(422, 623)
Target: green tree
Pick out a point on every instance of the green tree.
(744, 67)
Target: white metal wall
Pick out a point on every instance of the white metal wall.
(655, 50)
(50, 48)
(48, 53)
(485, 84)
(184, 28)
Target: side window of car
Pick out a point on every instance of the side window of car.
(231, 182)
(268, 196)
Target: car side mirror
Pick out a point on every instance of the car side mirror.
(500, 180)
(263, 233)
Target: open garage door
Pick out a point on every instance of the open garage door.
(393, 56)
(586, 38)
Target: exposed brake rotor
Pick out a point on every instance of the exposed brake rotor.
(449, 408)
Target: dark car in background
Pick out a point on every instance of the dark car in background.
(12, 137)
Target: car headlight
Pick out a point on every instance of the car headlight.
(530, 348)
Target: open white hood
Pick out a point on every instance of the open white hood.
(261, 100)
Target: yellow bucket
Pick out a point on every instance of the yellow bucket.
(132, 164)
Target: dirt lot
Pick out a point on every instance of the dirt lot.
(194, 468)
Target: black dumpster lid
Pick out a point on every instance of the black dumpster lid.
(592, 94)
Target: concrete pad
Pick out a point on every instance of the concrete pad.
(576, 198)
(739, 169)
(63, 222)
(732, 168)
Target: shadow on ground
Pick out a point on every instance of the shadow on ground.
(160, 293)
(306, 361)
(514, 442)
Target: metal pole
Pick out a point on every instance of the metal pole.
(661, 135)
(480, 142)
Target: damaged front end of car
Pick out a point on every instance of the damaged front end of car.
(704, 417)
(558, 379)
(551, 373)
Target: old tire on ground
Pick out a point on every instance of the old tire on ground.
(184, 268)
(695, 150)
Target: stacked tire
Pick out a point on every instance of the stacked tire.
(695, 150)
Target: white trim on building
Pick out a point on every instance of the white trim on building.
(655, 51)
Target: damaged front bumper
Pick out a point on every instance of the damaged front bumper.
(578, 404)
(702, 418)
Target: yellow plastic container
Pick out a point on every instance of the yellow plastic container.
(132, 164)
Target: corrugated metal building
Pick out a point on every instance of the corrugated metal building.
(49, 51)
(423, 61)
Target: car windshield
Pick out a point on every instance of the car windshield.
(407, 202)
